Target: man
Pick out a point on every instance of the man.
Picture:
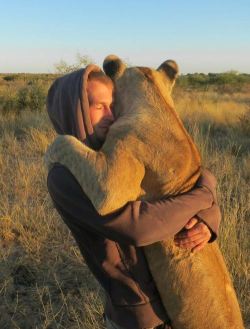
(80, 104)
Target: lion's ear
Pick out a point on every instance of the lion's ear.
(113, 66)
(170, 68)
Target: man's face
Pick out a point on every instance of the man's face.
(100, 98)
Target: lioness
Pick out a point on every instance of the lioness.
(151, 154)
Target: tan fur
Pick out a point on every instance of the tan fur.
(148, 154)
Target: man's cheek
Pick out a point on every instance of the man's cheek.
(96, 116)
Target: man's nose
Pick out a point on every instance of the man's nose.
(109, 111)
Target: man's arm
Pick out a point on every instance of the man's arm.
(203, 228)
(138, 223)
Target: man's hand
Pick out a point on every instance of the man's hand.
(194, 236)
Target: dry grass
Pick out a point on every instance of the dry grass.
(44, 282)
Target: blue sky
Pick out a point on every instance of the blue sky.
(202, 36)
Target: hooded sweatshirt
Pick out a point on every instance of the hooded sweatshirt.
(112, 245)
(68, 106)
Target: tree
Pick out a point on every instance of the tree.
(81, 61)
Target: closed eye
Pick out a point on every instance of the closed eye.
(99, 106)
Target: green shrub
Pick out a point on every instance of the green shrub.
(10, 77)
(37, 97)
(10, 105)
(7, 105)
(31, 97)
(227, 82)
(23, 99)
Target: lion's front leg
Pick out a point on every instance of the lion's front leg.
(86, 165)
(109, 179)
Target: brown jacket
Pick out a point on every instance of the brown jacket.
(112, 245)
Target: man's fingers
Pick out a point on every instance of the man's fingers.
(199, 247)
(194, 238)
(188, 233)
(199, 228)
(191, 244)
(191, 238)
(191, 223)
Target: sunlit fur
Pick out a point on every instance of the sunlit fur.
(148, 154)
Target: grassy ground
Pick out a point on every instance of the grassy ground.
(44, 282)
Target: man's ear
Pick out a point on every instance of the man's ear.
(113, 66)
(170, 69)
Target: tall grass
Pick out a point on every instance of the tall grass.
(44, 282)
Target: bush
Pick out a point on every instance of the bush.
(22, 100)
(10, 77)
(8, 104)
(37, 98)
(227, 82)
(31, 97)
